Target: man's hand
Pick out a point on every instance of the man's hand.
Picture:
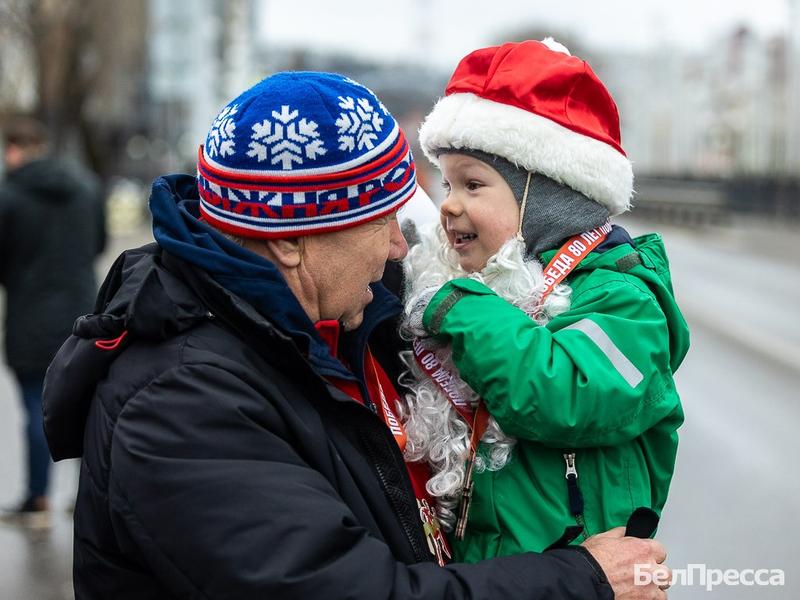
(617, 556)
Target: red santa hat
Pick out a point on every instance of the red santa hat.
(540, 108)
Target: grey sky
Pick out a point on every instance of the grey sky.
(442, 31)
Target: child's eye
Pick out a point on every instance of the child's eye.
(446, 186)
(473, 185)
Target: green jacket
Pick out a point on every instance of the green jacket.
(596, 380)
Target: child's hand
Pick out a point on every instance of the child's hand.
(413, 321)
(618, 556)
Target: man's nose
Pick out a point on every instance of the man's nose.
(398, 247)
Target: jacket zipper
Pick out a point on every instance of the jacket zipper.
(411, 529)
(574, 494)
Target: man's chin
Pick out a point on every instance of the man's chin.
(351, 323)
(355, 319)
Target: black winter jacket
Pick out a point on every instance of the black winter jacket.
(218, 464)
(52, 226)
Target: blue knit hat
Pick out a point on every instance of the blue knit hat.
(303, 153)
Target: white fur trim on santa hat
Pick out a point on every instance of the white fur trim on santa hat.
(556, 46)
(531, 142)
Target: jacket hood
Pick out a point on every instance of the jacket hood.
(654, 257)
(138, 300)
(646, 258)
(51, 180)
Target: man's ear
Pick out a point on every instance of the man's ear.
(286, 252)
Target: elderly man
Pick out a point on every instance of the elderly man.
(232, 395)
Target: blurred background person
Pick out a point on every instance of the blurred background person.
(52, 226)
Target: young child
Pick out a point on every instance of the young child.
(575, 373)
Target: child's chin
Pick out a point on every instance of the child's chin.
(470, 266)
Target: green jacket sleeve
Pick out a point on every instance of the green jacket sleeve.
(596, 375)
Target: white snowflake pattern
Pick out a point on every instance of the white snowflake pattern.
(368, 91)
(286, 140)
(220, 138)
(358, 124)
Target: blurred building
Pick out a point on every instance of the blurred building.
(199, 57)
(721, 112)
(793, 70)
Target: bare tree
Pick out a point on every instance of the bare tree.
(84, 55)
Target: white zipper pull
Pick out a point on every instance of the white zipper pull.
(569, 458)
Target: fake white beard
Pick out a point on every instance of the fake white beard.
(436, 432)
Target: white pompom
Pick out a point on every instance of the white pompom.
(555, 46)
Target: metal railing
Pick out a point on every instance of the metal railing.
(695, 202)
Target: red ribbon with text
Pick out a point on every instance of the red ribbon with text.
(570, 255)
